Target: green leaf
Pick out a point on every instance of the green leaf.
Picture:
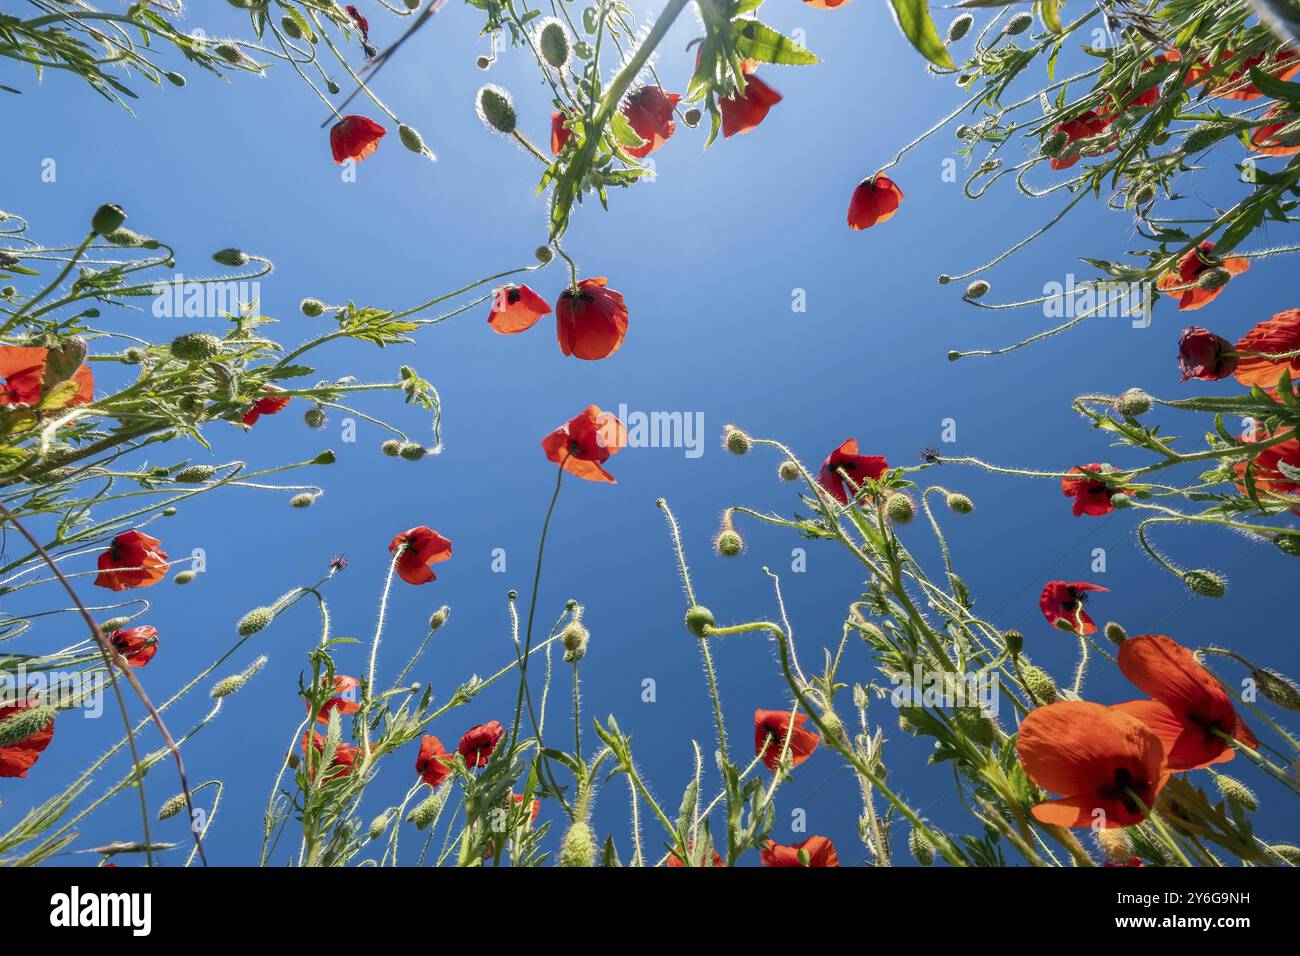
(913, 18)
(1050, 11)
(758, 41)
(1270, 85)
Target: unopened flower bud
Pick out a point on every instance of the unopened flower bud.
(554, 43)
(1277, 688)
(22, 724)
(1115, 633)
(692, 117)
(1205, 583)
(312, 307)
(1288, 544)
(960, 503)
(729, 543)
(1133, 403)
(1055, 144)
(392, 448)
(1215, 278)
(899, 508)
(977, 289)
(254, 621)
(378, 825)
(184, 577)
(438, 618)
(574, 638)
(412, 451)
(579, 846)
(194, 474)
(1014, 640)
(1236, 792)
(175, 79)
(327, 457)
(235, 682)
(108, 218)
(413, 141)
(425, 812)
(1289, 853)
(304, 500)
(960, 27)
(314, 417)
(919, 845)
(228, 52)
(171, 807)
(543, 254)
(290, 27)
(195, 346)
(230, 257)
(734, 440)
(788, 471)
(1116, 845)
(1019, 24)
(114, 624)
(496, 109)
(483, 62)
(1039, 683)
(698, 619)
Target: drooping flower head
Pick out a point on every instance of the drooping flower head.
(585, 442)
(19, 757)
(1278, 335)
(590, 323)
(1097, 758)
(814, 851)
(420, 548)
(137, 645)
(516, 308)
(1204, 355)
(772, 727)
(1062, 604)
(355, 137)
(1189, 710)
(479, 742)
(743, 112)
(269, 404)
(133, 560)
(1091, 495)
(1201, 276)
(434, 764)
(875, 200)
(343, 698)
(649, 112)
(845, 460)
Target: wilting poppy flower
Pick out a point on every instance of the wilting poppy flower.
(590, 324)
(649, 112)
(479, 742)
(23, 370)
(421, 547)
(1062, 604)
(1286, 64)
(742, 113)
(1096, 758)
(267, 405)
(345, 755)
(17, 758)
(133, 560)
(675, 857)
(1081, 127)
(1204, 355)
(771, 727)
(1189, 709)
(875, 200)
(1276, 336)
(1192, 268)
(355, 137)
(1266, 474)
(433, 764)
(361, 22)
(342, 698)
(847, 460)
(137, 644)
(516, 308)
(585, 442)
(560, 132)
(814, 851)
(1267, 139)
(1091, 495)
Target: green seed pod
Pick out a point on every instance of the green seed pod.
(788, 471)
(1133, 403)
(392, 448)
(959, 27)
(1236, 792)
(290, 27)
(977, 289)
(171, 807)
(497, 110)
(1205, 583)
(194, 474)
(899, 508)
(304, 500)
(438, 618)
(734, 440)
(413, 141)
(920, 847)
(332, 87)
(1039, 684)
(553, 40)
(579, 846)
(729, 543)
(1014, 640)
(543, 254)
(698, 619)
(692, 117)
(1277, 688)
(195, 347)
(254, 621)
(235, 682)
(184, 577)
(1115, 633)
(108, 218)
(24, 723)
(312, 307)
(314, 417)
(960, 504)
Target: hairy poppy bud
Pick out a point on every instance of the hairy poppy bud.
(290, 27)
(960, 503)
(920, 847)
(692, 117)
(974, 725)
(1116, 844)
(944, 278)
(425, 812)
(579, 846)
(1277, 688)
(438, 618)
(228, 52)
(698, 619)
(413, 141)
(314, 417)
(184, 577)
(1144, 194)
(108, 218)
(171, 807)
(1205, 583)
(412, 451)
(24, 723)
(960, 27)
(114, 624)
(1215, 278)
(194, 474)
(496, 109)
(543, 254)
(554, 42)
(254, 621)
(788, 471)
(899, 508)
(1288, 544)
(392, 448)
(729, 543)
(1019, 24)
(954, 355)
(378, 825)
(235, 682)
(1236, 792)
(574, 638)
(1205, 135)
(125, 237)
(327, 457)
(1039, 684)
(1133, 403)
(175, 79)
(312, 307)
(1015, 641)
(230, 257)
(304, 500)
(734, 440)
(1289, 853)
(977, 289)
(195, 346)
(332, 87)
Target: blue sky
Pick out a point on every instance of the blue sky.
(708, 256)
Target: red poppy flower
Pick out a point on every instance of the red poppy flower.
(875, 200)
(847, 460)
(1149, 96)
(518, 799)
(675, 858)
(1091, 495)
(17, 758)
(355, 137)
(771, 727)
(269, 404)
(342, 699)
(23, 369)
(516, 308)
(137, 644)
(649, 112)
(362, 23)
(345, 755)
(1097, 758)
(585, 442)
(1204, 355)
(590, 323)
(421, 548)
(1081, 127)
(826, 4)
(1286, 65)
(1266, 473)
(1267, 139)
(1062, 604)
(133, 560)
(434, 764)
(479, 742)
(560, 133)
(1276, 336)
(1188, 709)
(814, 851)
(1191, 267)
(1131, 861)
(742, 113)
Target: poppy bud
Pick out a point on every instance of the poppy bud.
(175, 79)
(412, 451)
(1277, 688)
(554, 43)
(1133, 403)
(304, 500)
(729, 543)
(230, 257)
(1039, 684)
(392, 448)
(543, 254)
(1288, 544)
(974, 725)
(327, 457)
(194, 474)
(960, 504)
(1019, 24)
(171, 807)
(425, 812)
(21, 725)
(698, 620)
(496, 109)
(920, 847)
(1015, 641)
(228, 52)
(960, 27)
(579, 846)
(314, 417)
(195, 346)
(692, 117)
(1116, 844)
(290, 27)
(108, 218)
(944, 278)
(1205, 135)
(312, 307)
(438, 618)
(332, 87)
(1144, 194)
(734, 440)
(413, 141)
(1115, 633)
(788, 471)
(184, 577)
(235, 682)
(964, 132)
(954, 355)
(977, 289)
(1236, 792)
(125, 237)
(1289, 853)
(1205, 583)
(1215, 278)
(378, 825)
(254, 621)
(870, 633)
(114, 624)
(899, 508)
(574, 638)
